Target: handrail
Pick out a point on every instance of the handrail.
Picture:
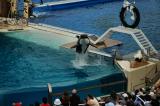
(128, 31)
(93, 87)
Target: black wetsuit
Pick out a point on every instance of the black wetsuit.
(79, 48)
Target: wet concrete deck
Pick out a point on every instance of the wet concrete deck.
(5, 26)
(105, 44)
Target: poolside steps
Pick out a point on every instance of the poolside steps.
(136, 34)
(144, 43)
(140, 39)
(156, 57)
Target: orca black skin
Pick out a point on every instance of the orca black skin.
(78, 45)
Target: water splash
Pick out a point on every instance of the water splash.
(83, 60)
(80, 61)
(98, 60)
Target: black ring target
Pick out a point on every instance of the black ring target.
(137, 17)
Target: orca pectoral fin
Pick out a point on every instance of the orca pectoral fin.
(74, 46)
(93, 45)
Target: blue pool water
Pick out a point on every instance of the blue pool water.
(34, 58)
(98, 18)
(31, 59)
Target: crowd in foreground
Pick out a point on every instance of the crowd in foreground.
(149, 96)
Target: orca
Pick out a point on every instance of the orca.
(82, 44)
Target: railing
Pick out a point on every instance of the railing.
(128, 31)
(51, 94)
(88, 88)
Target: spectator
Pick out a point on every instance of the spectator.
(147, 100)
(45, 102)
(36, 104)
(65, 99)
(17, 104)
(157, 91)
(129, 101)
(136, 92)
(113, 97)
(57, 102)
(74, 99)
(155, 102)
(108, 102)
(91, 101)
(124, 99)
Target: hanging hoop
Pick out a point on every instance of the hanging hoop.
(136, 16)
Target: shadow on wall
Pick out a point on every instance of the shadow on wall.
(32, 95)
(4, 8)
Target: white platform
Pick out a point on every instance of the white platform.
(137, 76)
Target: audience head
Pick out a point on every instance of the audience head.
(74, 91)
(130, 103)
(44, 100)
(57, 102)
(17, 104)
(65, 93)
(107, 99)
(148, 98)
(113, 95)
(90, 96)
(136, 91)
